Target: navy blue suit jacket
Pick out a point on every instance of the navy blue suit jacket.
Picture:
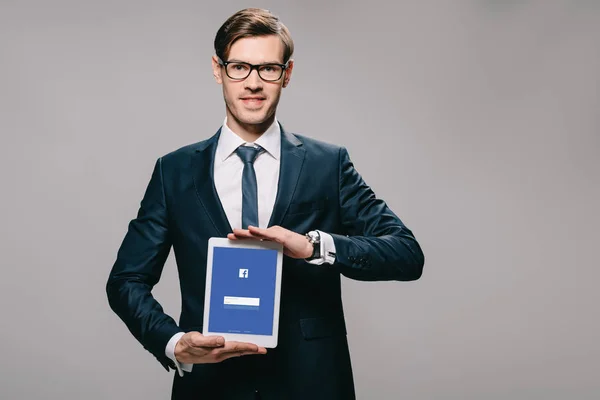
(318, 189)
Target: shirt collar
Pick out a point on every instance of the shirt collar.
(229, 141)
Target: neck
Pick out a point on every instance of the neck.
(248, 132)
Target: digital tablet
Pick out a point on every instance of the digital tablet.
(243, 290)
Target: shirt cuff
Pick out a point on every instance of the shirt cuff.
(327, 250)
(170, 352)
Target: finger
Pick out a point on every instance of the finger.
(257, 235)
(265, 233)
(231, 236)
(225, 356)
(248, 235)
(261, 350)
(260, 232)
(233, 347)
(207, 341)
(242, 233)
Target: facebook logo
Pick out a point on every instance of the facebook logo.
(243, 273)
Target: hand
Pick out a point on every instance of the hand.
(195, 348)
(294, 244)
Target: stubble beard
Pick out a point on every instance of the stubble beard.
(256, 121)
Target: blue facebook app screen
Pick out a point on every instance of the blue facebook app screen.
(243, 291)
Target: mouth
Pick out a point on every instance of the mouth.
(252, 100)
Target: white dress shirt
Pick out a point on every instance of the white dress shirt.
(228, 168)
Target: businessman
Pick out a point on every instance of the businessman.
(255, 179)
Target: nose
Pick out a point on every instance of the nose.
(253, 81)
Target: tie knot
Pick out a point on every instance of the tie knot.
(248, 154)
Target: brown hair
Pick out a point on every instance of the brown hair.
(252, 22)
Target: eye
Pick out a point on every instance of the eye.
(239, 67)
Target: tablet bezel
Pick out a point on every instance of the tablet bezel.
(267, 341)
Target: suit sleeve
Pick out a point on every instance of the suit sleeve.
(138, 268)
(376, 245)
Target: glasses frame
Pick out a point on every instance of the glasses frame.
(256, 67)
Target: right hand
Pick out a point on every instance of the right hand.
(195, 348)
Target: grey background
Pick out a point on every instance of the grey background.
(477, 121)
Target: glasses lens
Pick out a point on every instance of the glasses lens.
(270, 72)
(238, 70)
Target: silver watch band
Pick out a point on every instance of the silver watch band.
(315, 239)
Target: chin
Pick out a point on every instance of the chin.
(253, 119)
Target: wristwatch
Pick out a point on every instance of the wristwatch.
(315, 239)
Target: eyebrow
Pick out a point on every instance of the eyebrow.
(263, 63)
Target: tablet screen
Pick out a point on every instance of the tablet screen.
(242, 296)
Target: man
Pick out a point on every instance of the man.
(253, 179)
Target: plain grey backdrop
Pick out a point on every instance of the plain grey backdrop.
(477, 121)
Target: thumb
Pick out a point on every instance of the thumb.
(196, 339)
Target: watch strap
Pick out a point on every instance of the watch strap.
(315, 239)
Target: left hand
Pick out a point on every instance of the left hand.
(294, 244)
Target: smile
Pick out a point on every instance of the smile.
(253, 101)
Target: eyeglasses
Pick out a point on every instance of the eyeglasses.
(238, 70)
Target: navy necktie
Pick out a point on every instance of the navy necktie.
(249, 186)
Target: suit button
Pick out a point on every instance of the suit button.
(256, 395)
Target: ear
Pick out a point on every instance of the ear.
(217, 70)
(288, 73)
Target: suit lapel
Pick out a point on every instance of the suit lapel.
(203, 170)
(292, 159)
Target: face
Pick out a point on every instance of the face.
(251, 103)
